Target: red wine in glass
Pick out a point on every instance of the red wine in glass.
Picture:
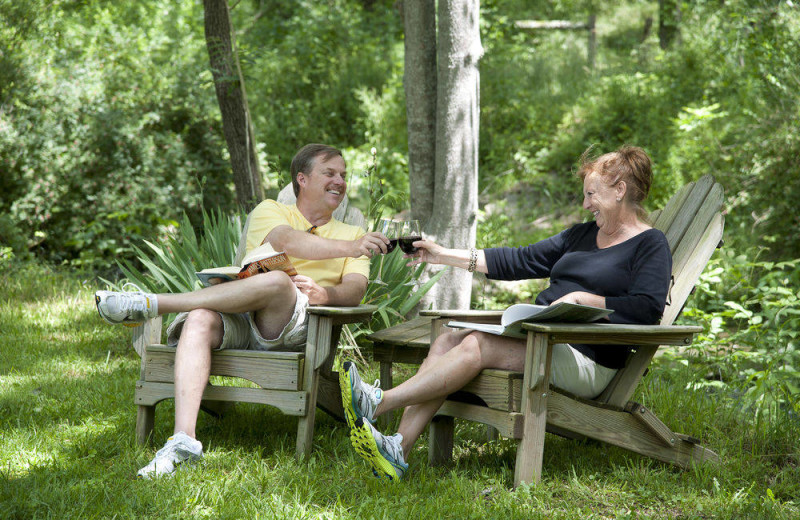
(409, 233)
(391, 246)
(406, 244)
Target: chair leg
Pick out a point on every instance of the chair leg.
(536, 389)
(145, 421)
(386, 383)
(440, 440)
(305, 434)
(305, 424)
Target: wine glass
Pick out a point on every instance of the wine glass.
(408, 235)
(388, 227)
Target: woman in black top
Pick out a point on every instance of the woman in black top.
(616, 261)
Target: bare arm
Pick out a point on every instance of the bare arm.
(349, 293)
(312, 247)
(432, 253)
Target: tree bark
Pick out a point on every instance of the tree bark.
(454, 218)
(232, 99)
(419, 81)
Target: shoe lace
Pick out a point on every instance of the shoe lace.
(125, 289)
(128, 302)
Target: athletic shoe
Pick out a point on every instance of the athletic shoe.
(179, 449)
(129, 308)
(358, 398)
(383, 453)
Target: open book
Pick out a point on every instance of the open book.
(260, 260)
(513, 317)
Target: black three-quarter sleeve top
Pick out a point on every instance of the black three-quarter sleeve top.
(634, 276)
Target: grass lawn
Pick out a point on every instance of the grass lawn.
(67, 446)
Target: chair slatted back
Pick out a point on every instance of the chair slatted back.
(693, 223)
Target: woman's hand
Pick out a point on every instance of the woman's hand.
(583, 298)
(317, 295)
(429, 252)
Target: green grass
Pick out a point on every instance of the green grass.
(67, 446)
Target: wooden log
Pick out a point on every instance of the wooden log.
(558, 25)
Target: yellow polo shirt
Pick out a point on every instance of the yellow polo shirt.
(270, 214)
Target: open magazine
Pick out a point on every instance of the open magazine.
(260, 260)
(513, 317)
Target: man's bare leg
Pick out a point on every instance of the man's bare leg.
(249, 294)
(203, 331)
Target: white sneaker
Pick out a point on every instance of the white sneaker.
(359, 399)
(384, 453)
(129, 308)
(179, 449)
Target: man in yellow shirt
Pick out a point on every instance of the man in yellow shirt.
(266, 311)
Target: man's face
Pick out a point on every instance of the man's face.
(326, 184)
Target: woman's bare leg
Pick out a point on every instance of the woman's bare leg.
(456, 359)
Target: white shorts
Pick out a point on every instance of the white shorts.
(239, 331)
(577, 374)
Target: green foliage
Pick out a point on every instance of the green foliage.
(306, 80)
(751, 312)
(170, 264)
(97, 151)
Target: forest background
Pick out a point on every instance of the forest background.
(110, 131)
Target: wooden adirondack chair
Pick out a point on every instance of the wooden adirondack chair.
(523, 406)
(294, 382)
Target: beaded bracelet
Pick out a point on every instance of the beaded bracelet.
(473, 260)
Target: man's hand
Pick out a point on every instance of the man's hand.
(372, 243)
(316, 295)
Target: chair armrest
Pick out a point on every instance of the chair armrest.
(614, 334)
(319, 344)
(342, 315)
(475, 315)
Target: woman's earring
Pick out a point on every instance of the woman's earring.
(619, 199)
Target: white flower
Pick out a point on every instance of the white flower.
(373, 151)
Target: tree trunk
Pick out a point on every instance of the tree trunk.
(232, 99)
(669, 17)
(454, 219)
(419, 81)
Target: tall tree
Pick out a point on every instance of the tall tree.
(232, 99)
(448, 205)
(419, 19)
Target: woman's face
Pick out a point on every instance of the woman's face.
(601, 200)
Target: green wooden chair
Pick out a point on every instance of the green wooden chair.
(294, 382)
(524, 405)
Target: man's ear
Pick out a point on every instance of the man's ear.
(301, 179)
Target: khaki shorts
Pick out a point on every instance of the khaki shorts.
(239, 331)
(570, 370)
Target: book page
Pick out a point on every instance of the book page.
(520, 312)
(560, 312)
